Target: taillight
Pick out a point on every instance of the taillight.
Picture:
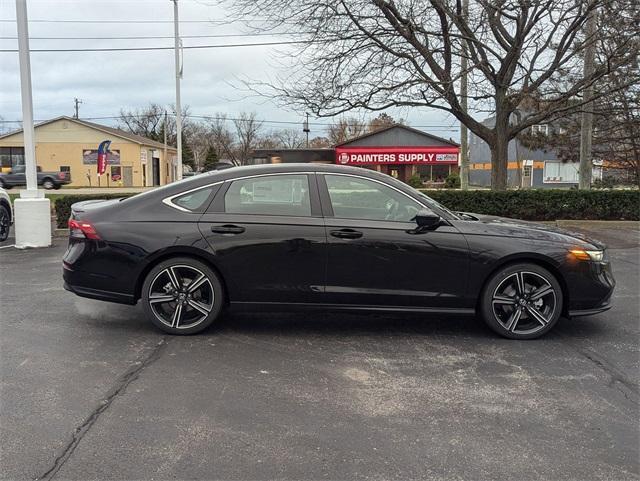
(62, 175)
(82, 229)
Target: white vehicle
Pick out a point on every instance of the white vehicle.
(6, 215)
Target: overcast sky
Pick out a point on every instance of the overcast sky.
(109, 81)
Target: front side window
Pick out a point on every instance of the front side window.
(358, 198)
(269, 195)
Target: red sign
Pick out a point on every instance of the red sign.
(396, 155)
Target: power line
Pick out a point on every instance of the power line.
(106, 21)
(158, 37)
(131, 49)
(439, 127)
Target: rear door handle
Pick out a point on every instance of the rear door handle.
(227, 229)
(346, 233)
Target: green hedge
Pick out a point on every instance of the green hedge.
(540, 204)
(62, 204)
(518, 204)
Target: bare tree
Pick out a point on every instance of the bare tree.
(381, 121)
(345, 129)
(290, 138)
(376, 54)
(319, 143)
(198, 138)
(247, 131)
(150, 122)
(221, 137)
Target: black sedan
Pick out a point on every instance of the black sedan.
(328, 237)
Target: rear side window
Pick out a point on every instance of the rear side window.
(269, 195)
(194, 201)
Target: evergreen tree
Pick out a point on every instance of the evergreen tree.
(210, 160)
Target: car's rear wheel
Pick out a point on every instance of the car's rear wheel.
(48, 184)
(182, 296)
(522, 301)
(5, 222)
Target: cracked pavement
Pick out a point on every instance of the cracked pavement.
(91, 390)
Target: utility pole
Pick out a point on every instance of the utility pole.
(464, 134)
(77, 103)
(32, 209)
(586, 128)
(176, 32)
(305, 129)
(164, 158)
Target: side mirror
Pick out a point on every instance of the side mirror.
(427, 219)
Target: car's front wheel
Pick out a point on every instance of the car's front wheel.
(522, 301)
(182, 296)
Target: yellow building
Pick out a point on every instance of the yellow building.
(69, 144)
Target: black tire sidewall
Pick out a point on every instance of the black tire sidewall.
(5, 211)
(217, 291)
(486, 309)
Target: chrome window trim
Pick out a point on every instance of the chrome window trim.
(379, 182)
(269, 175)
(169, 200)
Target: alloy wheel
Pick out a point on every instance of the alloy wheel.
(181, 296)
(524, 302)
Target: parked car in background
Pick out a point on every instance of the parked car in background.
(294, 236)
(6, 215)
(48, 180)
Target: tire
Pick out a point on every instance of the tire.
(166, 290)
(5, 217)
(4, 186)
(517, 313)
(57, 186)
(48, 184)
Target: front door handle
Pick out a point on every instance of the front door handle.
(227, 229)
(346, 234)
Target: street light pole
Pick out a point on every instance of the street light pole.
(32, 209)
(176, 32)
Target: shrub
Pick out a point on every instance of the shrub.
(452, 181)
(62, 204)
(533, 204)
(415, 181)
(541, 204)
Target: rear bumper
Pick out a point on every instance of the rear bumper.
(100, 295)
(589, 312)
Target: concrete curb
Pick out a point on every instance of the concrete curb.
(621, 224)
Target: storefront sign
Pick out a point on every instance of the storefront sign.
(90, 157)
(396, 155)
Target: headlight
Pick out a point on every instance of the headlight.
(584, 255)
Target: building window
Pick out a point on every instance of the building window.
(11, 157)
(65, 168)
(556, 171)
(541, 129)
(116, 173)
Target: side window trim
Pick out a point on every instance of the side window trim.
(327, 207)
(169, 200)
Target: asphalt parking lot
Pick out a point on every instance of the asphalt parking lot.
(91, 390)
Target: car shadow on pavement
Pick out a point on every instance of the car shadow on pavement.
(132, 319)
